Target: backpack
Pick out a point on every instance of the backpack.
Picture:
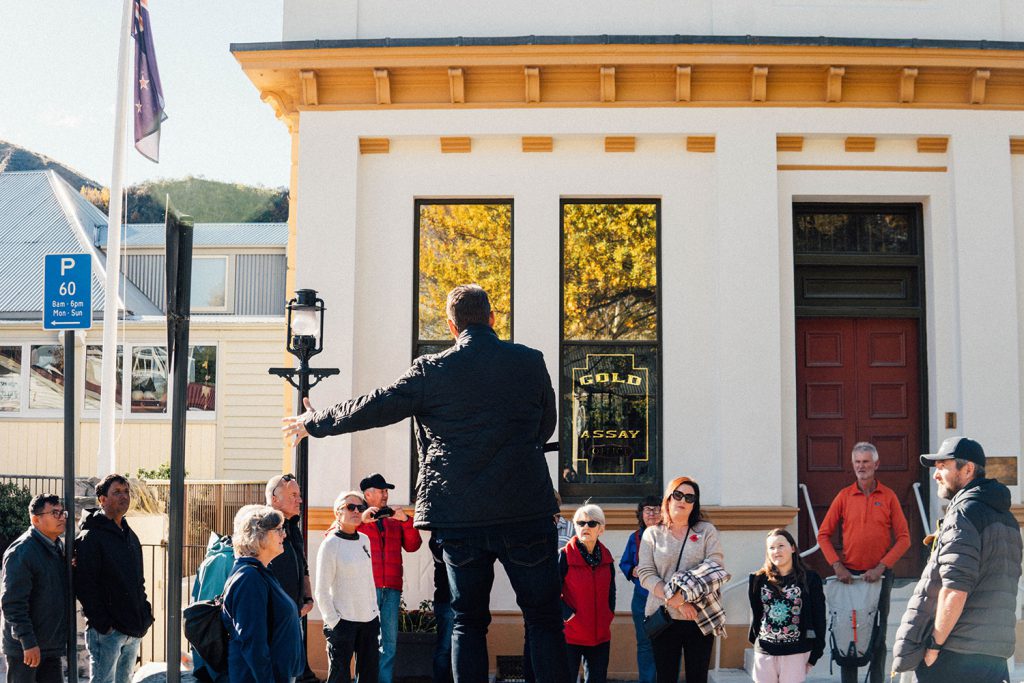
(206, 632)
(854, 620)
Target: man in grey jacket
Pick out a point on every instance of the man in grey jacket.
(34, 598)
(959, 624)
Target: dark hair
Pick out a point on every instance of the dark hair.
(468, 305)
(646, 501)
(104, 486)
(770, 571)
(35, 507)
(695, 514)
(979, 470)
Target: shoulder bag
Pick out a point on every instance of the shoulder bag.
(661, 620)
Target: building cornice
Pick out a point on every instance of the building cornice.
(633, 71)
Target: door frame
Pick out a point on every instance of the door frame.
(852, 308)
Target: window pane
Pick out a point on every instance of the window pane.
(610, 272)
(94, 376)
(149, 379)
(209, 283)
(854, 233)
(10, 378)
(609, 436)
(461, 244)
(46, 377)
(202, 378)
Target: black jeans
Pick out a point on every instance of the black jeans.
(528, 554)
(683, 639)
(348, 638)
(954, 667)
(48, 671)
(877, 666)
(595, 661)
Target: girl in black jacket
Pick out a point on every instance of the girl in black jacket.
(788, 603)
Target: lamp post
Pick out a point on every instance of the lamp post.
(304, 339)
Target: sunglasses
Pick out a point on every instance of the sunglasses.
(688, 497)
(284, 479)
(592, 523)
(352, 507)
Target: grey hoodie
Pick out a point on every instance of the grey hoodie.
(978, 551)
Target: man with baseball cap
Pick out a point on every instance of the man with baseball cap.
(390, 532)
(960, 622)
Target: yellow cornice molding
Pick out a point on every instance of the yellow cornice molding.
(932, 145)
(620, 143)
(623, 517)
(789, 143)
(1016, 145)
(538, 143)
(501, 76)
(700, 143)
(456, 145)
(374, 145)
(860, 143)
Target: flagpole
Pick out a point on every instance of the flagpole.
(106, 460)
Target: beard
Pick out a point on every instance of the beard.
(947, 491)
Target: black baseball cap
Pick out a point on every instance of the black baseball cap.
(959, 447)
(375, 481)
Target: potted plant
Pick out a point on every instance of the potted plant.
(417, 636)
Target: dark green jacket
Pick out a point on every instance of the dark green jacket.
(33, 596)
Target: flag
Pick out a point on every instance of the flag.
(149, 96)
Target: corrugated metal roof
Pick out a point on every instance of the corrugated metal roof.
(205, 235)
(41, 214)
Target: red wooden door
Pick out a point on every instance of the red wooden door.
(858, 380)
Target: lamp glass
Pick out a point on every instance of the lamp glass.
(306, 322)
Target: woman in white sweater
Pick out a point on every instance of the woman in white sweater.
(347, 596)
(683, 540)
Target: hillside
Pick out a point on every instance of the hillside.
(15, 158)
(207, 201)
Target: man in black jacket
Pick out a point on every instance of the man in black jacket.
(482, 410)
(960, 621)
(290, 567)
(110, 584)
(34, 596)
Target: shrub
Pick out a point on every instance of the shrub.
(14, 500)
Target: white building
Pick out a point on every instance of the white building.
(820, 239)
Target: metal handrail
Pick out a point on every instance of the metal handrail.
(920, 508)
(738, 583)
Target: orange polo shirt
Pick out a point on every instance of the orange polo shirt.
(869, 524)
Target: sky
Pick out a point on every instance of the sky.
(58, 63)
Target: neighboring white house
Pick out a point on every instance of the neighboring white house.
(745, 235)
(236, 333)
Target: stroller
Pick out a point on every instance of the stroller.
(854, 620)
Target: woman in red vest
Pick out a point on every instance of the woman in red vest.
(588, 596)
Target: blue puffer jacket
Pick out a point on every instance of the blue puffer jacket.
(253, 657)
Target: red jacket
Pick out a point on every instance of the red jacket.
(590, 593)
(386, 549)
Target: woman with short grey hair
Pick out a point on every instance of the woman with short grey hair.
(265, 643)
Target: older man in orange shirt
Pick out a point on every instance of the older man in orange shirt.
(875, 536)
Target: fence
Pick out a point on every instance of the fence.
(154, 563)
(36, 483)
(210, 506)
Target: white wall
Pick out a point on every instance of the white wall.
(937, 19)
(728, 403)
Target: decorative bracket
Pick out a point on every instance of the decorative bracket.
(834, 90)
(307, 79)
(683, 74)
(383, 86)
(456, 85)
(532, 76)
(907, 80)
(759, 84)
(978, 83)
(607, 83)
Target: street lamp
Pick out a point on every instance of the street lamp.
(304, 339)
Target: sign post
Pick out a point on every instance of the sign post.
(67, 306)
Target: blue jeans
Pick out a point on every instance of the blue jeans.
(443, 650)
(528, 554)
(644, 653)
(111, 656)
(388, 602)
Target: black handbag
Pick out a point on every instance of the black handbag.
(661, 620)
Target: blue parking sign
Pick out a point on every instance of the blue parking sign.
(67, 292)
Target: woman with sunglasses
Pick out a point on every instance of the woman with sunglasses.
(788, 604)
(347, 595)
(680, 542)
(265, 640)
(648, 513)
(588, 596)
